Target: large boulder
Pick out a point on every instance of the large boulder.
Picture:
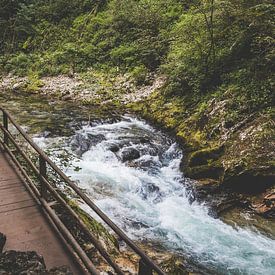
(204, 164)
(204, 156)
(95, 138)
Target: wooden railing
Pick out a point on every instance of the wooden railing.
(45, 191)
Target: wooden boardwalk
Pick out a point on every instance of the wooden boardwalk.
(23, 221)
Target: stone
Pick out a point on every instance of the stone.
(202, 157)
(95, 139)
(2, 241)
(67, 97)
(208, 171)
(148, 189)
(14, 262)
(267, 207)
(81, 143)
(18, 86)
(62, 270)
(114, 148)
(130, 154)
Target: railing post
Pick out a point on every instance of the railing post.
(6, 126)
(43, 172)
(144, 269)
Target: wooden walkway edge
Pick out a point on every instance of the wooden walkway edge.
(24, 223)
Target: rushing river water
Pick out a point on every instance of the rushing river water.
(131, 171)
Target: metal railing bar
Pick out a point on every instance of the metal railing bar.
(36, 195)
(32, 185)
(87, 200)
(68, 246)
(50, 188)
(86, 260)
(33, 167)
(58, 223)
(93, 239)
(99, 247)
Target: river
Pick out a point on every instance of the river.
(131, 170)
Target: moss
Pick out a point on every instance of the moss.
(212, 170)
(97, 228)
(139, 74)
(33, 84)
(205, 156)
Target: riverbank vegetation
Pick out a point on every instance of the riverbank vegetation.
(217, 57)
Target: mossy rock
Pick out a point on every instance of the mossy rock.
(204, 156)
(213, 170)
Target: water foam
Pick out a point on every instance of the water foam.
(152, 202)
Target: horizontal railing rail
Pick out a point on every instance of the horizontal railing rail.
(146, 265)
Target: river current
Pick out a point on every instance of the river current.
(132, 172)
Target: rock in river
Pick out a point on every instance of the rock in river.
(129, 154)
(82, 143)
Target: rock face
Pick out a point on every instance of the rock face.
(223, 140)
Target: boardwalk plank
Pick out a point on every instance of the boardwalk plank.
(16, 206)
(13, 197)
(10, 185)
(24, 223)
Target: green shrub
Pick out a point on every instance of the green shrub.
(140, 75)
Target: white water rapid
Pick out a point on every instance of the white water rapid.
(131, 171)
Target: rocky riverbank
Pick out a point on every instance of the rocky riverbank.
(91, 87)
(229, 153)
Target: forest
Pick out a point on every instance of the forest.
(202, 71)
(200, 45)
(222, 50)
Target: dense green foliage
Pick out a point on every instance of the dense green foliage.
(202, 45)
(217, 56)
